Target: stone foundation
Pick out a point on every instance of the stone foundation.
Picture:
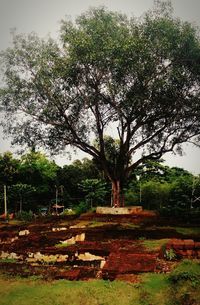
(119, 211)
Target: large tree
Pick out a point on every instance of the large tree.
(136, 78)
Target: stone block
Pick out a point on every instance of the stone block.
(177, 244)
(188, 244)
(197, 245)
(190, 253)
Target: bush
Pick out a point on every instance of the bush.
(82, 208)
(184, 284)
(24, 216)
(186, 271)
(176, 211)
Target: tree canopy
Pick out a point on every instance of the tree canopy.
(137, 77)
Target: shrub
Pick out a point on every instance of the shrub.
(186, 271)
(82, 208)
(24, 216)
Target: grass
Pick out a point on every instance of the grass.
(186, 282)
(94, 224)
(13, 222)
(153, 245)
(129, 225)
(8, 260)
(17, 291)
(63, 245)
(183, 230)
(187, 270)
(188, 231)
(154, 289)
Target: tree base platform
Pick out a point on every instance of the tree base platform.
(119, 211)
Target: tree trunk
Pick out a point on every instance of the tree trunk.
(116, 192)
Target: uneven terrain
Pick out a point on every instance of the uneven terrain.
(95, 246)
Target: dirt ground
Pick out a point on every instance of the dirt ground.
(95, 246)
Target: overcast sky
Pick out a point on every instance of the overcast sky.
(43, 17)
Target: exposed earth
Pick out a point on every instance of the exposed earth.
(96, 246)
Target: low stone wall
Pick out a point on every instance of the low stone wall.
(185, 248)
(119, 211)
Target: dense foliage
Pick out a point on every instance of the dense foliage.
(33, 181)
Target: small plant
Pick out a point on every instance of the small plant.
(141, 238)
(170, 254)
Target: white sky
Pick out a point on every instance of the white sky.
(43, 17)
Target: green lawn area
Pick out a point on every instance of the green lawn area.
(182, 286)
(17, 291)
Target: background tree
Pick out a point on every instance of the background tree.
(9, 167)
(139, 78)
(195, 199)
(172, 191)
(37, 171)
(95, 191)
(21, 193)
(70, 176)
(155, 195)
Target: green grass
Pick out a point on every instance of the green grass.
(129, 225)
(186, 270)
(152, 245)
(188, 231)
(8, 260)
(63, 245)
(183, 230)
(94, 224)
(154, 289)
(27, 291)
(186, 282)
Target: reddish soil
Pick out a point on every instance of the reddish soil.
(109, 251)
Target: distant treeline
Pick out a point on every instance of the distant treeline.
(34, 181)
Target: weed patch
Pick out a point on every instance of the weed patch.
(8, 260)
(154, 244)
(186, 271)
